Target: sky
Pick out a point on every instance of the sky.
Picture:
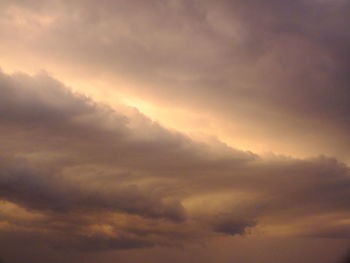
(174, 131)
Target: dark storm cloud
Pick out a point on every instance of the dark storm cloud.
(43, 190)
(42, 110)
(87, 174)
(78, 159)
(233, 226)
(104, 179)
(280, 65)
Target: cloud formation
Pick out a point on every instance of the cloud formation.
(275, 67)
(80, 175)
(81, 172)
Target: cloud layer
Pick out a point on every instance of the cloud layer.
(256, 70)
(80, 175)
(80, 171)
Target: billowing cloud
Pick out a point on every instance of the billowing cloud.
(81, 175)
(81, 171)
(256, 70)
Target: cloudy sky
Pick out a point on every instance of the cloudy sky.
(212, 131)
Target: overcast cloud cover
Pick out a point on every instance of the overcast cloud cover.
(86, 178)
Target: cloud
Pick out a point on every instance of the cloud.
(273, 67)
(43, 190)
(233, 226)
(82, 175)
(102, 179)
(72, 161)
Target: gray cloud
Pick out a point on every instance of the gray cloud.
(232, 226)
(280, 65)
(104, 179)
(47, 191)
(101, 163)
